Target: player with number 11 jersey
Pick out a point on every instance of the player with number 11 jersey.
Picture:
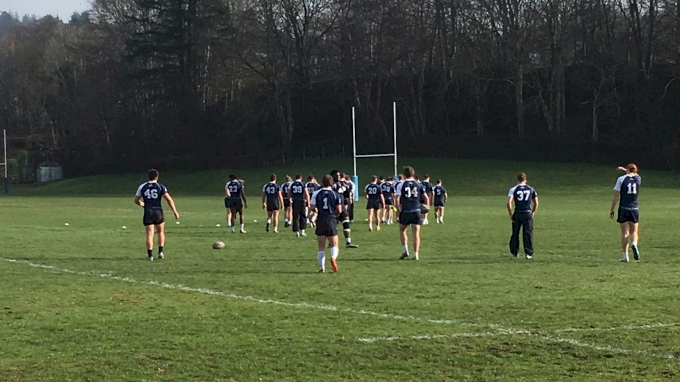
(626, 193)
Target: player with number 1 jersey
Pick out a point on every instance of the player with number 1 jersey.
(328, 206)
(626, 193)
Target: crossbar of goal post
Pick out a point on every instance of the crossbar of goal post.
(355, 178)
(4, 164)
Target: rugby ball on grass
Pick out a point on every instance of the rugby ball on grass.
(218, 245)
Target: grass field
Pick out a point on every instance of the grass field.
(81, 303)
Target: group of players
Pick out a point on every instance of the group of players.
(326, 205)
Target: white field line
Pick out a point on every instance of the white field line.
(500, 330)
(624, 327)
(246, 298)
(430, 337)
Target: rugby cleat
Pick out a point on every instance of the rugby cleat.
(636, 253)
(150, 258)
(267, 228)
(403, 256)
(243, 231)
(377, 228)
(624, 260)
(351, 245)
(529, 257)
(370, 229)
(322, 271)
(334, 265)
(161, 256)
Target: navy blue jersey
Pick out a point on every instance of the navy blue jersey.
(284, 189)
(522, 194)
(344, 189)
(439, 192)
(297, 189)
(373, 191)
(312, 187)
(409, 192)
(271, 189)
(326, 202)
(152, 192)
(387, 189)
(235, 189)
(629, 186)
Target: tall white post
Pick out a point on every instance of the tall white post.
(4, 145)
(354, 141)
(394, 112)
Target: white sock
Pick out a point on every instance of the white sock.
(242, 225)
(269, 221)
(625, 255)
(232, 229)
(276, 229)
(228, 224)
(370, 225)
(321, 255)
(348, 240)
(634, 243)
(334, 252)
(303, 231)
(415, 254)
(404, 248)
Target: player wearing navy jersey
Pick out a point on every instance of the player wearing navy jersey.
(312, 186)
(343, 189)
(408, 193)
(349, 198)
(397, 183)
(328, 206)
(299, 196)
(425, 207)
(525, 199)
(626, 193)
(374, 203)
(272, 200)
(439, 197)
(387, 189)
(235, 201)
(287, 210)
(149, 196)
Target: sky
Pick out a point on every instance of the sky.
(62, 8)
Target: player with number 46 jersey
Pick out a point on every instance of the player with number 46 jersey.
(150, 196)
(626, 193)
(525, 199)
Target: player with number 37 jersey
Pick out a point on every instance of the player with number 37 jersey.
(525, 199)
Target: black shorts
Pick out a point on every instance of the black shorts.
(273, 205)
(286, 203)
(389, 201)
(409, 218)
(373, 205)
(625, 215)
(344, 215)
(153, 216)
(234, 204)
(438, 203)
(327, 227)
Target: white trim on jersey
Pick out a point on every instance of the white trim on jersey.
(264, 189)
(619, 181)
(512, 191)
(312, 200)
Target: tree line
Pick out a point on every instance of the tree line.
(191, 84)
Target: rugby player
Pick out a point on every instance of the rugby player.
(327, 205)
(272, 200)
(375, 203)
(235, 201)
(440, 196)
(626, 193)
(149, 196)
(408, 193)
(525, 199)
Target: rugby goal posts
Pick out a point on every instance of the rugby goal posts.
(355, 178)
(4, 164)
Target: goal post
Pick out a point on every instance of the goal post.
(4, 164)
(355, 178)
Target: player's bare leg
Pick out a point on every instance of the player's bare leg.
(335, 250)
(370, 220)
(230, 218)
(160, 228)
(232, 222)
(240, 215)
(416, 240)
(624, 241)
(269, 220)
(149, 241)
(275, 220)
(633, 228)
(404, 241)
(377, 218)
(321, 254)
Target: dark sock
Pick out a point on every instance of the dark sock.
(149, 252)
(160, 249)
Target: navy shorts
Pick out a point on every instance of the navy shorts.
(327, 227)
(373, 205)
(626, 215)
(410, 218)
(389, 201)
(273, 205)
(439, 203)
(286, 203)
(153, 216)
(234, 204)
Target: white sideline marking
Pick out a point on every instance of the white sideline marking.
(501, 330)
(625, 327)
(429, 337)
(246, 298)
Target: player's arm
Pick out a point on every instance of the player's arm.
(615, 199)
(446, 196)
(227, 193)
(139, 201)
(243, 196)
(382, 199)
(280, 195)
(621, 169)
(534, 206)
(307, 197)
(508, 205)
(171, 203)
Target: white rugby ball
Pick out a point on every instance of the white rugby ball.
(218, 245)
